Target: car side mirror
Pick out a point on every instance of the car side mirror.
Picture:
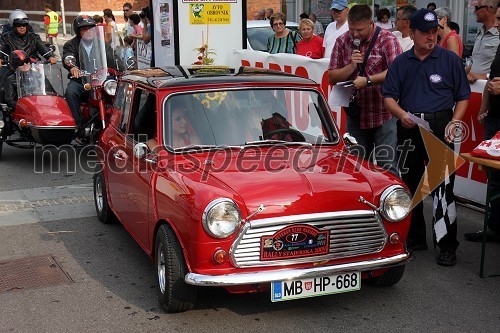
(70, 61)
(349, 140)
(140, 150)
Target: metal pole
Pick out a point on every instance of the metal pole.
(63, 18)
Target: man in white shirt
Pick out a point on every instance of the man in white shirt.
(486, 43)
(337, 27)
(402, 31)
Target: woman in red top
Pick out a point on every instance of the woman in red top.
(449, 39)
(311, 45)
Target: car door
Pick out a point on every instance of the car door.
(133, 190)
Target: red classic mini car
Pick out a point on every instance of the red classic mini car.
(237, 178)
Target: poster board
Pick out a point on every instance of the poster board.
(208, 31)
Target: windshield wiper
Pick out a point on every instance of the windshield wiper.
(249, 143)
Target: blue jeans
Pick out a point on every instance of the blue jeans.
(491, 127)
(379, 143)
(75, 94)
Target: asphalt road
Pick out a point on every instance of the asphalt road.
(49, 212)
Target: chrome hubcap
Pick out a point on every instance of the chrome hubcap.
(98, 194)
(160, 267)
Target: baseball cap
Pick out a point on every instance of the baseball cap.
(424, 20)
(339, 4)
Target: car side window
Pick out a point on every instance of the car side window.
(143, 120)
(123, 100)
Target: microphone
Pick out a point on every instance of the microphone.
(356, 44)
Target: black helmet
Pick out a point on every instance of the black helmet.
(18, 17)
(82, 21)
(18, 58)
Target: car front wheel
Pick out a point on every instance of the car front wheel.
(104, 213)
(174, 294)
(392, 276)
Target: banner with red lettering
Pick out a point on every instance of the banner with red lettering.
(470, 182)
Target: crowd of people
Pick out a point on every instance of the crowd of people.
(379, 58)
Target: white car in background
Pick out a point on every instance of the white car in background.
(258, 31)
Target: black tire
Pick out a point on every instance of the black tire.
(389, 278)
(174, 294)
(104, 213)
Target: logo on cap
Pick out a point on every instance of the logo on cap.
(429, 17)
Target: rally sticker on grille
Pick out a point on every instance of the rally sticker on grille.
(294, 242)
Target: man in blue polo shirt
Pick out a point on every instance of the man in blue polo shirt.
(429, 82)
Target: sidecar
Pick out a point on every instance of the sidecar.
(41, 115)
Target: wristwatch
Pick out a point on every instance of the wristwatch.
(369, 81)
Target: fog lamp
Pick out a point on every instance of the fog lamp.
(394, 238)
(221, 256)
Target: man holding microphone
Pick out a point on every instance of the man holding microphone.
(363, 54)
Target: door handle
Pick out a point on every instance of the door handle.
(119, 155)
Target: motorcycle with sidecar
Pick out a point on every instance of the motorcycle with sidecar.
(42, 115)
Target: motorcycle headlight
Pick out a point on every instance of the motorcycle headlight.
(221, 218)
(395, 203)
(110, 87)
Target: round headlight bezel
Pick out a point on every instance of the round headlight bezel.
(213, 229)
(110, 87)
(384, 204)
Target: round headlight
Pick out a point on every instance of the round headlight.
(110, 87)
(395, 203)
(221, 218)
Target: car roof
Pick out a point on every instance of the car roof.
(174, 76)
(265, 23)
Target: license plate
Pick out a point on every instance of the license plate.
(318, 286)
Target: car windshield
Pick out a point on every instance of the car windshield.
(257, 37)
(248, 116)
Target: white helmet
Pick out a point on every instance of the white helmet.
(18, 16)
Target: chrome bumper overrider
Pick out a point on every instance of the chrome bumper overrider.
(291, 274)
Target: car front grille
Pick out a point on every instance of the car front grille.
(352, 233)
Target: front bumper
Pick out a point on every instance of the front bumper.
(292, 274)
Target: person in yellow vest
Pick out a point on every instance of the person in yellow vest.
(52, 21)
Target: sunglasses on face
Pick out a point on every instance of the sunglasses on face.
(21, 25)
(22, 62)
(477, 8)
(338, 11)
(126, 10)
(277, 24)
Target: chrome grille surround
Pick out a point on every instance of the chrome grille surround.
(352, 233)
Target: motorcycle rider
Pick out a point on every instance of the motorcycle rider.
(84, 27)
(21, 39)
(16, 14)
(17, 59)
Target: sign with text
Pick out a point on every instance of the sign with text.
(209, 31)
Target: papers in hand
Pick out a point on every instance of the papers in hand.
(419, 121)
(341, 94)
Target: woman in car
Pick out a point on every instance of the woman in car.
(182, 133)
(283, 40)
(311, 45)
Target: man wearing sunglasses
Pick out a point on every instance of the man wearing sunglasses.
(486, 43)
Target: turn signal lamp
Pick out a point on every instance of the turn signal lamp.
(87, 86)
(221, 256)
(23, 123)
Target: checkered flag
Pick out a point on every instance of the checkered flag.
(443, 209)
